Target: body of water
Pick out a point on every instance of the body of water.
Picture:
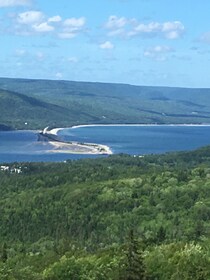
(134, 140)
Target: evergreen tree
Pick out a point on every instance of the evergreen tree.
(161, 234)
(134, 268)
(4, 253)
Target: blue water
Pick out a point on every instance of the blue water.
(135, 140)
(21, 146)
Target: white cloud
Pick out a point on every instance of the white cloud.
(71, 27)
(117, 26)
(173, 30)
(158, 52)
(11, 3)
(35, 22)
(147, 28)
(115, 22)
(30, 17)
(31, 22)
(43, 27)
(169, 30)
(55, 19)
(74, 22)
(131, 27)
(106, 45)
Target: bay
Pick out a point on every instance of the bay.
(135, 140)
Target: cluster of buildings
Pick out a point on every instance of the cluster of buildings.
(6, 168)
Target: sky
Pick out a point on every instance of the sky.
(139, 42)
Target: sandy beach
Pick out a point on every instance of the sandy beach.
(76, 148)
(144, 125)
(72, 147)
(54, 131)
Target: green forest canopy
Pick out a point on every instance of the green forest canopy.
(119, 217)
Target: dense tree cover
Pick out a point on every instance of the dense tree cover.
(118, 217)
(20, 111)
(43, 103)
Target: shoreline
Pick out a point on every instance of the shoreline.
(55, 131)
(94, 125)
(71, 147)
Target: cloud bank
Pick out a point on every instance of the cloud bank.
(36, 22)
(132, 27)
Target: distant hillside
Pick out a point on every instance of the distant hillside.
(21, 111)
(64, 103)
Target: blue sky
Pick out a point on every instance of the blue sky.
(140, 42)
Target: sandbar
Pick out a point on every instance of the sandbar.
(79, 148)
(72, 147)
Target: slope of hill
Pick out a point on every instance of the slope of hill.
(85, 102)
(25, 112)
(71, 220)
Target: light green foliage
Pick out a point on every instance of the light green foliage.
(84, 268)
(178, 261)
(66, 268)
(64, 220)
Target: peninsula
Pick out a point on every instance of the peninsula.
(72, 147)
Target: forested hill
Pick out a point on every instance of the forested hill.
(120, 217)
(41, 103)
(18, 110)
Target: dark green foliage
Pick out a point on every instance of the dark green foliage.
(4, 253)
(21, 111)
(43, 103)
(133, 267)
(161, 234)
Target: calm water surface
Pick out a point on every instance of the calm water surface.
(23, 145)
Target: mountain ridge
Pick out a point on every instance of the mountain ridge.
(71, 103)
